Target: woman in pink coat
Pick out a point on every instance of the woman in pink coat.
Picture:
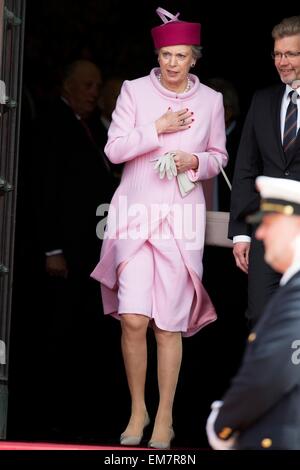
(151, 261)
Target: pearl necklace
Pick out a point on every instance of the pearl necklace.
(187, 88)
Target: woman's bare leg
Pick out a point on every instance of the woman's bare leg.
(134, 348)
(169, 355)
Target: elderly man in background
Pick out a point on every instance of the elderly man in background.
(75, 181)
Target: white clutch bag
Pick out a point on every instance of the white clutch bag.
(216, 230)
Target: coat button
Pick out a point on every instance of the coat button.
(266, 443)
(252, 337)
(286, 173)
(225, 433)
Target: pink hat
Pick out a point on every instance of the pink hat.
(175, 32)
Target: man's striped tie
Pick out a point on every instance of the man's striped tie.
(290, 125)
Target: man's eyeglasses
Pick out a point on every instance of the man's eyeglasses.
(287, 55)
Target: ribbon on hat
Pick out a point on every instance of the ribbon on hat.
(164, 15)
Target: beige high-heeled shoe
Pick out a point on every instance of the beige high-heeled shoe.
(126, 440)
(162, 444)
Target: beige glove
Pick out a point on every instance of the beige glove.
(185, 185)
(165, 165)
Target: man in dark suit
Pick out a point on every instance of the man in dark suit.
(76, 180)
(260, 410)
(262, 152)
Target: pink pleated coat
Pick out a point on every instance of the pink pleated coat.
(143, 203)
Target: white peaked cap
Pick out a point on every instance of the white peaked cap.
(278, 195)
(278, 188)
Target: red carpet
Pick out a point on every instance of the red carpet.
(6, 445)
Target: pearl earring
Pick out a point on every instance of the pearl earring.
(193, 64)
